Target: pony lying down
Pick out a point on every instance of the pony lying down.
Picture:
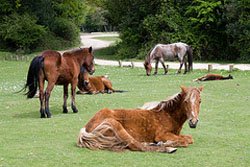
(155, 129)
(94, 84)
(211, 77)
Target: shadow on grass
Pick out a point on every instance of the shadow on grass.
(55, 110)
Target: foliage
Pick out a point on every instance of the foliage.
(25, 24)
(21, 31)
(237, 14)
(216, 29)
(26, 140)
(96, 21)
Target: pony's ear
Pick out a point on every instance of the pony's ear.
(183, 88)
(90, 49)
(201, 88)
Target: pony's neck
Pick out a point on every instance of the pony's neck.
(178, 114)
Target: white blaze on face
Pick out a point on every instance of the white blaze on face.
(192, 100)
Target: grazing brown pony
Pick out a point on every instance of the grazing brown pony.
(156, 129)
(210, 77)
(161, 52)
(94, 84)
(57, 69)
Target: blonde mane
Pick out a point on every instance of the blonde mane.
(170, 103)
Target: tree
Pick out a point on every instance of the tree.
(54, 23)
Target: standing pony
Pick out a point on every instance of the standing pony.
(156, 129)
(57, 69)
(163, 52)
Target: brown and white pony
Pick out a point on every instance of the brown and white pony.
(94, 84)
(57, 69)
(157, 129)
(161, 52)
(211, 77)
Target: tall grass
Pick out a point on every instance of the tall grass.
(221, 138)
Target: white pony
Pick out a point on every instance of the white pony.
(161, 52)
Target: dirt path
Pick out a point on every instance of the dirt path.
(88, 40)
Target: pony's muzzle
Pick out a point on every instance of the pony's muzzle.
(85, 83)
(91, 71)
(193, 123)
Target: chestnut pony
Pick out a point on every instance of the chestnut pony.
(211, 77)
(161, 52)
(94, 84)
(57, 69)
(157, 129)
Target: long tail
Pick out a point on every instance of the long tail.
(32, 77)
(190, 58)
(98, 140)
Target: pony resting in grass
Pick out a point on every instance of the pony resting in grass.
(156, 129)
(161, 52)
(57, 69)
(211, 77)
(94, 84)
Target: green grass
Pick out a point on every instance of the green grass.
(221, 138)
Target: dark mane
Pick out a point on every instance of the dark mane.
(170, 104)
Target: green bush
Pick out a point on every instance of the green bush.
(21, 31)
(65, 29)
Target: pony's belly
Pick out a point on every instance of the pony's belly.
(62, 81)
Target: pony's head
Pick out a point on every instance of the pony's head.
(88, 64)
(84, 78)
(148, 67)
(230, 76)
(191, 104)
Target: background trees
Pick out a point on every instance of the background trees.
(27, 25)
(216, 29)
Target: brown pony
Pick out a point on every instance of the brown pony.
(94, 84)
(57, 69)
(156, 129)
(210, 77)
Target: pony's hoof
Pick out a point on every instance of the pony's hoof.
(170, 150)
(65, 110)
(43, 116)
(75, 110)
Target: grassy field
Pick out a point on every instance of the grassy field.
(221, 138)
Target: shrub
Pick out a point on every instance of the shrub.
(65, 29)
(21, 32)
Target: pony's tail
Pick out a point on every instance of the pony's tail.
(32, 77)
(190, 58)
(98, 140)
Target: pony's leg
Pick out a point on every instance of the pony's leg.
(156, 67)
(65, 97)
(176, 140)
(47, 96)
(163, 65)
(185, 65)
(73, 93)
(179, 70)
(189, 138)
(41, 97)
(132, 143)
